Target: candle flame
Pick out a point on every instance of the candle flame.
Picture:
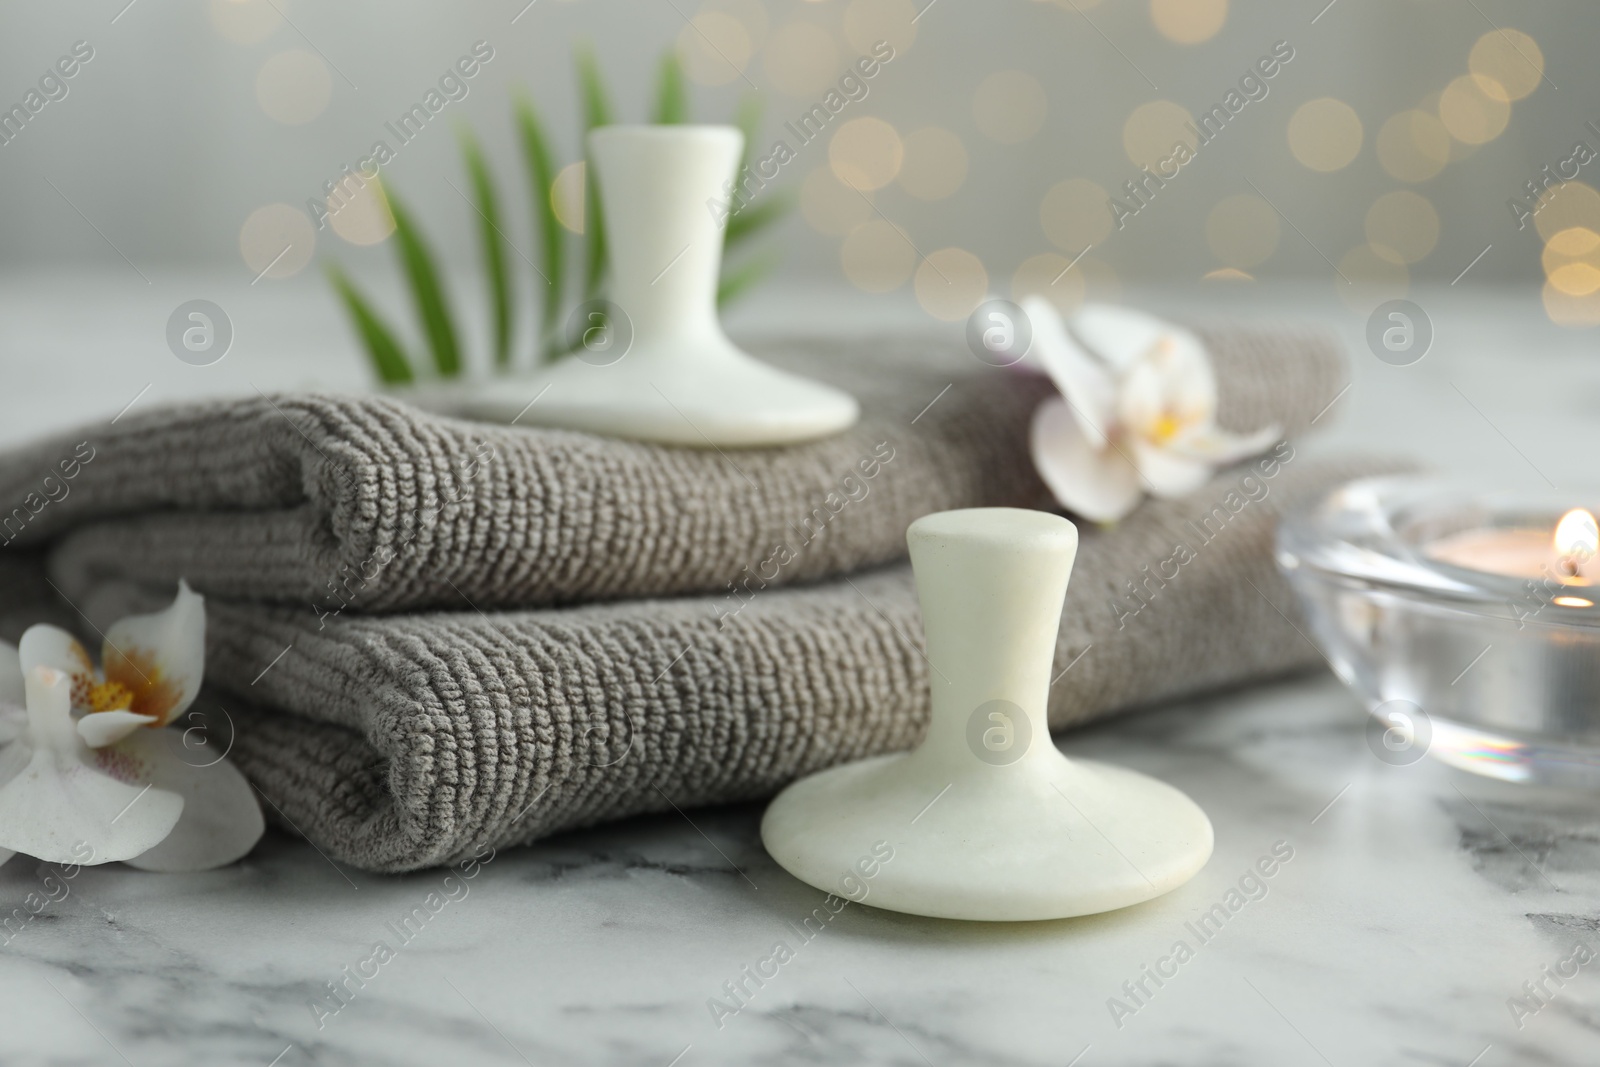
(1577, 535)
(1576, 540)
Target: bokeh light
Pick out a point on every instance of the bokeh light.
(866, 22)
(277, 240)
(567, 195)
(1471, 115)
(1413, 146)
(1566, 309)
(1507, 64)
(1402, 226)
(293, 87)
(1561, 207)
(1226, 274)
(1242, 230)
(1051, 276)
(1459, 150)
(361, 214)
(1075, 213)
(1576, 279)
(1325, 134)
(1571, 261)
(1188, 21)
(866, 153)
(951, 283)
(831, 207)
(715, 47)
(752, 15)
(935, 163)
(801, 59)
(1576, 242)
(244, 21)
(1154, 130)
(1009, 106)
(877, 257)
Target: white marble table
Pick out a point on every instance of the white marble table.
(1416, 903)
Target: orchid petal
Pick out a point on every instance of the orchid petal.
(1118, 335)
(1121, 336)
(1101, 486)
(1165, 473)
(1167, 392)
(55, 804)
(44, 645)
(1086, 385)
(103, 728)
(1142, 400)
(1220, 447)
(221, 819)
(1192, 382)
(161, 657)
(1130, 341)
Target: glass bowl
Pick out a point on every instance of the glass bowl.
(1494, 674)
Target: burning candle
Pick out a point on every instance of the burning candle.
(1567, 556)
(1471, 614)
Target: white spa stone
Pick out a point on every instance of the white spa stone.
(986, 819)
(679, 380)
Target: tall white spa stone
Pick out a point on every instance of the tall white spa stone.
(986, 818)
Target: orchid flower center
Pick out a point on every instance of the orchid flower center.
(109, 696)
(1171, 422)
(1161, 399)
(1165, 427)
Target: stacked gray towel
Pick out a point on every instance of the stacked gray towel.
(433, 634)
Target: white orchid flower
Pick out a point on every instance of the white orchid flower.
(1137, 411)
(80, 765)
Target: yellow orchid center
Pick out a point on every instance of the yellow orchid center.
(139, 674)
(1166, 427)
(109, 696)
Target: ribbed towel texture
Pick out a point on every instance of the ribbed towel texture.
(367, 504)
(398, 741)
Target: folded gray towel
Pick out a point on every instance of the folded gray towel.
(366, 504)
(411, 739)
(399, 741)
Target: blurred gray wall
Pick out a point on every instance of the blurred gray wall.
(161, 146)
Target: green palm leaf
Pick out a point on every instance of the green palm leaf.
(596, 112)
(773, 206)
(756, 217)
(672, 97)
(735, 282)
(541, 177)
(433, 310)
(388, 359)
(490, 237)
(748, 118)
